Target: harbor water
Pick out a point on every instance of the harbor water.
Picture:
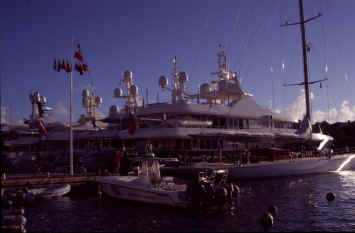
(301, 206)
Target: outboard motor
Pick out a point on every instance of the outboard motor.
(212, 191)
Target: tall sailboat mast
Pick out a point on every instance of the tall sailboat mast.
(305, 65)
(305, 48)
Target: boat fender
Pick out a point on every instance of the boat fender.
(272, 210)
(330, 196)
(230, 190)
(266, 220)
(236, 190)
(14, 220)
(99, 192)
(14, 228)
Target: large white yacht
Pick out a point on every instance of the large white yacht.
(218, 120)
(222, 122)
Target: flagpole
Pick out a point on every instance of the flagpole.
(70, 109)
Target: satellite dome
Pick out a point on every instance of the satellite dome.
(85, 102)
(128, 76)
(183, 77)
(163, 81)
(205, 89)
(134, 90)
(98, 100)
(114, 109)
(43, 100)
(85, 93)
(118, 92)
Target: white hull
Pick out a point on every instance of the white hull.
(293, 167)
(137, 188)
(49, 192)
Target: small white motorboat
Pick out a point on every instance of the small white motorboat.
(52, 191)
(148, 186)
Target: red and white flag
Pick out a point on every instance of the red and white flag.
(78, 54)
(41, 129)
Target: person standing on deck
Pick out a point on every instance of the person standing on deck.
(124, 163)
(116, 161)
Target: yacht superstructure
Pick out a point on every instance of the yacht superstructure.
(217, 121)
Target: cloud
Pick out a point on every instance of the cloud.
(60, 111)
(3, 115)
(296, 110)
(10, 117)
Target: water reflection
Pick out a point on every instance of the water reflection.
(301, 203)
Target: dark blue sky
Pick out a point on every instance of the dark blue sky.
(143, 36)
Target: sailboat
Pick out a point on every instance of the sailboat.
(325, 162)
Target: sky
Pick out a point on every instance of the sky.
(144, 36)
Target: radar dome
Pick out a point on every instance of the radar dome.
(183, 77)
(205, 89)
(114, 109)
(37, 96)
(163, 81)
(98, 100)
(118, 92)
(43, 100)
(85, 102)
(128, 76)
(31, 98)
(85, 93)
(134, 90)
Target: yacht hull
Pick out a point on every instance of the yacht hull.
(127, 188)
(293, 167)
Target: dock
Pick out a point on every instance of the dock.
(22, 180)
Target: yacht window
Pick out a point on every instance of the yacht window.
(202, 144)
(207, 144)
(214, 144)
(223, 122)
(215, 123)
(235, 125)
(230, 124)
(241, 124)
(194, 143)
(247, 123)
(178, 144)
(187, 144)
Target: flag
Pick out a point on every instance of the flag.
(41, 129)
(58, 66)
(67, 68)
(78, 54)
(79, 68)
(63, 66)
(55, 65)
(86, 68)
